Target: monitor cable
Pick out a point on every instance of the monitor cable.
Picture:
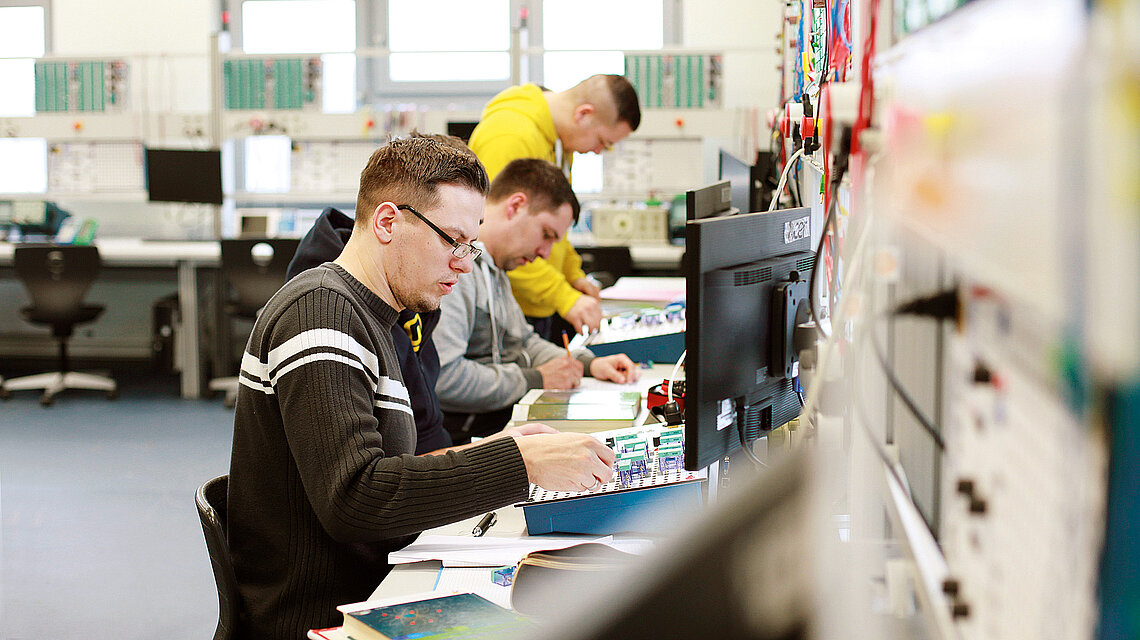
(897, 386)
(744, 444)
(943, 305)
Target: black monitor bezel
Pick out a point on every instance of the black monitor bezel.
(184, 175)
(716, 244)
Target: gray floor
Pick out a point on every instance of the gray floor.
(99, 536)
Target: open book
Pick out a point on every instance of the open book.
(583, 410)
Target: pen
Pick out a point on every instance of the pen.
(484, 524)
(566, 342)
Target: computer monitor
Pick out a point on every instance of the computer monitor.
(184, 175)
(746, 289)
(461, 129)
(740, 175)
(706, 202)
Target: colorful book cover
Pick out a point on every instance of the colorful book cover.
(452, 616)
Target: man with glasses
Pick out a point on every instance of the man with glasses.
(530, 122)
(489, 356)
(419, 360)
(323, 483)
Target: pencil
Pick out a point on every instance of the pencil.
(566, 342)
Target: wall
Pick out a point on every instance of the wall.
(173, 37)
(746, 31)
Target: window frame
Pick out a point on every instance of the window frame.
(373, 78)
(46, 4)
(48, 49)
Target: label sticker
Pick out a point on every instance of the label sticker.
(797, 229)
(726, 415)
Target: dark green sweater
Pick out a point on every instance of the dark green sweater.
(323, 483)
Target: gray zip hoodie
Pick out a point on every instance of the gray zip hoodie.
(487, 362)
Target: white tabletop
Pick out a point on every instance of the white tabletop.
(145, 253)
(420, 577)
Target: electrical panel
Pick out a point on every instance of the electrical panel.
(1023, 482)
(627, 226)
(272, 83)
(662, 166)
(81, 86)
(328, 166)
(95, 167)
(676, 81)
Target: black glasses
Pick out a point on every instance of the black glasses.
(458, 249)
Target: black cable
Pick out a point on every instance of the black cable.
(794, 188)
(901, 392)
(941, 306)
(865, 423)
(833, 286)
(840, 164)
(823, 78)
(740, 431)
(812, 303)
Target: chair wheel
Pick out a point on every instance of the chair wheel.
(5, 394)
(46, 400)
(112, 394)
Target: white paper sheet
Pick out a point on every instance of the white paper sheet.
(464, 551)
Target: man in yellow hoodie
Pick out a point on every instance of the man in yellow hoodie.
(530, 122)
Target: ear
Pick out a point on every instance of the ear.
(516, 203)
(583, 110)
(383, 221)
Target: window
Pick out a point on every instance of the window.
(22, 39)
(298, 26)
(267, 164)
(23, 165)
(584, 37)
(449, 40)
(308, 26)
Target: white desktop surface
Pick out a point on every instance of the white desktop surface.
(420, 577)
(144, 253)
(185, 256)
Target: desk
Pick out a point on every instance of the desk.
(186, 257)
(420, 577)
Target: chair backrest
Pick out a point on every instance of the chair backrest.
(255, 269)
(211, 501)
(607, 264)
(56, 277)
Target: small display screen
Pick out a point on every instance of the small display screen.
(184, 175)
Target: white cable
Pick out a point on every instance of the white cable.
(673, 376)
(784, 179)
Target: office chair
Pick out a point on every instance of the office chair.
(606, 264)
(211, 500)
(56, 278)
(252, 271)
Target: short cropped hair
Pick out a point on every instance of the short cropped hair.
(542, 182)
(603, 90)
(625, 99)
(410, 170)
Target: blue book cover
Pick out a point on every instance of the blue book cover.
(455, 616)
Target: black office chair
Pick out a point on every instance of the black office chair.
(211, 500)
(252, 270)
(57, 277)
(606, 264)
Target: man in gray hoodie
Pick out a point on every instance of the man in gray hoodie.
(489, 356)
